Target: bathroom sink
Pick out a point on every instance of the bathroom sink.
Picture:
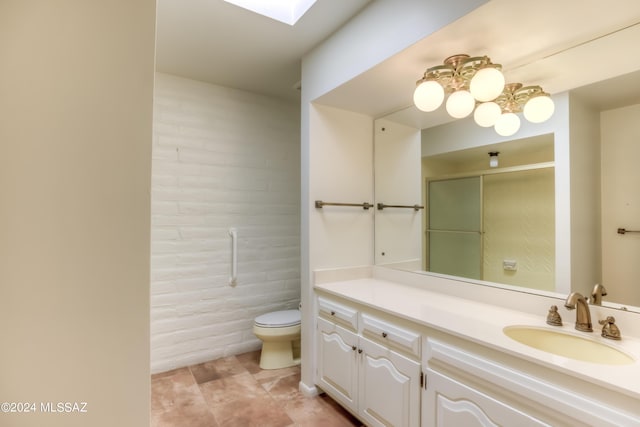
(568, 345)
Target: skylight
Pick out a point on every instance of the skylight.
(287, 11)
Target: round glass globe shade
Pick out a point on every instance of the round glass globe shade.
(487, 84)
(538, 109)
(507, 124)
(486, 114)
(460, 104)
(428, 96)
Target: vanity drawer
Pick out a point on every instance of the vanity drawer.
(338, 313)
(391, 335)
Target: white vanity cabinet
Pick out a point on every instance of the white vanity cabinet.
(338, 363)
(396, 355)
(457, 400)
(448, 402)
(462, 388)
(363, 368)
(389, 387)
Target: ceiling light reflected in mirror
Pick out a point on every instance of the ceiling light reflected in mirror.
(477, 83)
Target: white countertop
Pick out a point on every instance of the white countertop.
(483, 323)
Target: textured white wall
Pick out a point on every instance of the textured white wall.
(221, 158)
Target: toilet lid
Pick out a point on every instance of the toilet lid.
(279, 319)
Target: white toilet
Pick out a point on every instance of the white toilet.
(280, 335)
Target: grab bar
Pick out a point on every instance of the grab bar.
(365, 205)
(624, 231)
(233, 278)
(381, 206)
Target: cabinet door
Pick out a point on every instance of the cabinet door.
(448, 402)
(337, 363)
(389, 393)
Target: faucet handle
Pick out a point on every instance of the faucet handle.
(553, 317)
(610, 329)
(597, 293)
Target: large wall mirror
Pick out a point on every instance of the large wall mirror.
(497, 225)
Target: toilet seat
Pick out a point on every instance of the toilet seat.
(278, 319)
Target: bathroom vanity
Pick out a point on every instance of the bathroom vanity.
(396, 353)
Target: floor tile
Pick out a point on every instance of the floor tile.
(317, 411)
(239, 400)
(234, 391)
(266, 375)
(216, 369)
(176, 400)
(251, 361)
(166, 374)
(284, 387)
(345, 417)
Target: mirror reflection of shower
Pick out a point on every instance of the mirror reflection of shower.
(496, 227)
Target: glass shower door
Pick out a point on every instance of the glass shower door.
(454, 233)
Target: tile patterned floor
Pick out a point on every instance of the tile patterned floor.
(234, 391)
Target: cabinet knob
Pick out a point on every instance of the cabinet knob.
(359, 350)
(333, 313)
(384, 335)
(353, 348)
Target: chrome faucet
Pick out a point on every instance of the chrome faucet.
(596, 295)
(583, 316)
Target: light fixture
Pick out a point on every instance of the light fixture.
(466, 79)
(486, 114)
(428, 96)
(539, 108)
(477, 83)
(507, 124)
(493, 159)
(460, 104)
(487, 83)
(537, 104)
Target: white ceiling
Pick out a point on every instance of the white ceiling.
(217, 42)
(559, 45)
